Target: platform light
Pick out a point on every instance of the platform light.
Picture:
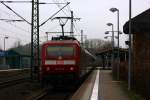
(118, 53)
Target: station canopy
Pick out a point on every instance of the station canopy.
(140, 23)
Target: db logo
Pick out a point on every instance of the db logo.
(60, 57)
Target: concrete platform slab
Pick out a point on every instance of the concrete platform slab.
(109, 89)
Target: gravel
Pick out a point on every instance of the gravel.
(23, 91)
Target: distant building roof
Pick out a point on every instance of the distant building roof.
(140, 23)
(110, 50)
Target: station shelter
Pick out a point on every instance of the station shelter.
(106, 56)
(140, 69)
(13, 59)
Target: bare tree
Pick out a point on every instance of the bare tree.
(97, 44)
(17, 44)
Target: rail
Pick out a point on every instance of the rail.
(9, 83)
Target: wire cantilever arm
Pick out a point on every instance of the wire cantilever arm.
(27, 2)
(16, 13)
(54, 15)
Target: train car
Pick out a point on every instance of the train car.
(64, 60)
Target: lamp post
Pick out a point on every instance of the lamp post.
(118, 54)
(6, 37)
(111, 37)
(82, 37)
(107, 32)
(46, 35)
(112, 57)
(130, 60)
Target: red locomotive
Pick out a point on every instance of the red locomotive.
(63, 60)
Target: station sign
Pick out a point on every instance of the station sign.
(3, 54)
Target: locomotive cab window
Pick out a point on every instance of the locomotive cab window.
(60, 51)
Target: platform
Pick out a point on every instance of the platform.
(100, 86)
(109, 89)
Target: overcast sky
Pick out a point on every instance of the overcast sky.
(94, 15)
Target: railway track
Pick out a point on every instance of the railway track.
(50, 94)
(59, 93)
(11, 74)
(41, 95)
(8, 83)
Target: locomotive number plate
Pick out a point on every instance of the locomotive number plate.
(60, 62)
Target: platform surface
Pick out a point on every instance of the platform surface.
(109, 89)
(100, 86)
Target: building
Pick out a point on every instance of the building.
(13, 59)
(141, 52)
(106, 57)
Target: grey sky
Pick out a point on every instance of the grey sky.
(94, 15)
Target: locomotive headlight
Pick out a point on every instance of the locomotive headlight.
(47, 68)
(71, 68)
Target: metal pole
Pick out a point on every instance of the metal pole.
(38, 45)
(31, 59)
(62, 26)
(35, 58)
(130, 60)
(47, 36)
(71, 33)
(118, 56)
(112, 47)
(4, 53)
(82, 37)
(4, 44)
(4, 50)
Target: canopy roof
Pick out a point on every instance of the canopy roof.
(140, 23)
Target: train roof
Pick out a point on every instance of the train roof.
(64, 38)
(62, 41)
